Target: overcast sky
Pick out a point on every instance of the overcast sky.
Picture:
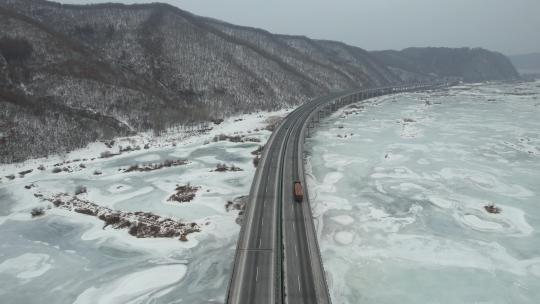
(508, 26)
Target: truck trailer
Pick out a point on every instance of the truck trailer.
(298, 191)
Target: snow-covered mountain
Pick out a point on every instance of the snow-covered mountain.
(73, 74)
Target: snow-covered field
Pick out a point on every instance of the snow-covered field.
(400, 200)
(69, 257)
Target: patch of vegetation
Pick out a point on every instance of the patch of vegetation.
(235, 138)
(86, 211)
(183, 194)
(355, 106)
(156, 166)
(128, 149)
(225, 168)
(491, 208)
(139, 224)
(38, 211)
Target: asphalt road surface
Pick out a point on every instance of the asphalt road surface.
(278, 258)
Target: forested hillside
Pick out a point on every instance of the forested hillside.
(72, 74)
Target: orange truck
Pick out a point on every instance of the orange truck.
(298, 192)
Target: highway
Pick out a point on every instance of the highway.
(277, 258)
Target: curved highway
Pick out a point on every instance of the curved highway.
(277, 258)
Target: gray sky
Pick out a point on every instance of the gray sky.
(507, 26)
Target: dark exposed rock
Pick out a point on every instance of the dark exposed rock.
(238, 203)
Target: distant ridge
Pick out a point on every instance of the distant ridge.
(471, 64)
(527, 63)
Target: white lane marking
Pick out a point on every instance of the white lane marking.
(257, 275)
(295, 250)
(262, 221)
(260, 241)
(293, 227)
(299, 288)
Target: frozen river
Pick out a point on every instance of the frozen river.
(398, 186)
(399, 190)
(68, 257)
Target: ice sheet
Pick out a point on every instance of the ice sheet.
(400, 206)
